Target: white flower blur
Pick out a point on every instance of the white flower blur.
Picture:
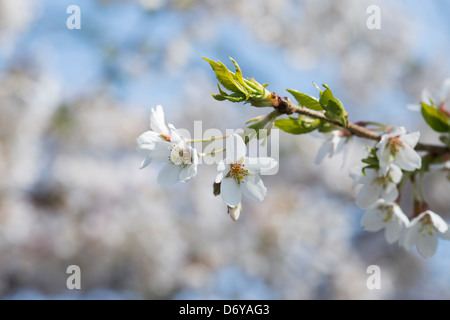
(443, 97)
(239, 174)
(376, 187)
(424, 231)
(387, 216)
(398, 147)
(334, 143)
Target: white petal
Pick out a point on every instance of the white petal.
(230, 191)
(235, 212)
(236, 149)
(438, 222)
(147, 140)
(408, 159)
(188, 172)
(427, 245)
(371, 221)
(146, 162)
(416, 220)
(323, 151)
(356, 174)
(175, 136)
(393, 231)
(411, 237)
(253, 187)
(426, 96)
(260, 164)
(411, 138)
(161, 152)
(368, 195)
(390, 193)
(169, 175)
(395, 173)
(400, 215)
(157, 121)
(220, 171)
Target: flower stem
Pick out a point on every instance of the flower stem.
(207, 140)
(212, 153)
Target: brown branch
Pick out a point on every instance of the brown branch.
(285, 106)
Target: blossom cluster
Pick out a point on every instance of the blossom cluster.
(390, 164)
(237, 174)
(393, 156)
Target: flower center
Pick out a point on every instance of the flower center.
(427, 225)
(389, 213)
(179, 156)
(394, 144)
(237, 172)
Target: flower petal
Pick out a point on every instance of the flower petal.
(146, 162)
(253, 187)
(157, 121)
(161, 152)
(411, 237)
(368, 195)
(175, 136)
(236, 149)
(323, 151)
(260, 164)
(220, 171)
(188, 172)
(427, 245)
(393, 231)
(230, 191)
(438, 222)
(395, 173)
(169, 175)
(408, 159)
(147, 140)
(372, 221)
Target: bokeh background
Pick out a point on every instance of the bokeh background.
(72, 103)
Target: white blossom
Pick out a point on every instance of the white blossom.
(164, 144)
(160, 132)
(235, 212)
(374, 186)
(239, 174)
(387, 216)
(398, 147)
(334, 144)
(424, 231)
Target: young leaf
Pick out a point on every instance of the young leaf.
(435, 118)
(296, 126)
(333, 106)
(305, 100)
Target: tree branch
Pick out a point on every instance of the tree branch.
(284, 105)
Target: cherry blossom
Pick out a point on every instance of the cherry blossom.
(387, 216)
(398, 147)
(239, 174)
(424, 231)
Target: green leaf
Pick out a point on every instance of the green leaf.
(305, 100)
(297, 126)
(334, 109)
(435, 118)
(224, 76)
(335, 112)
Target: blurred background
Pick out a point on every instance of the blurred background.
(72, 103)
